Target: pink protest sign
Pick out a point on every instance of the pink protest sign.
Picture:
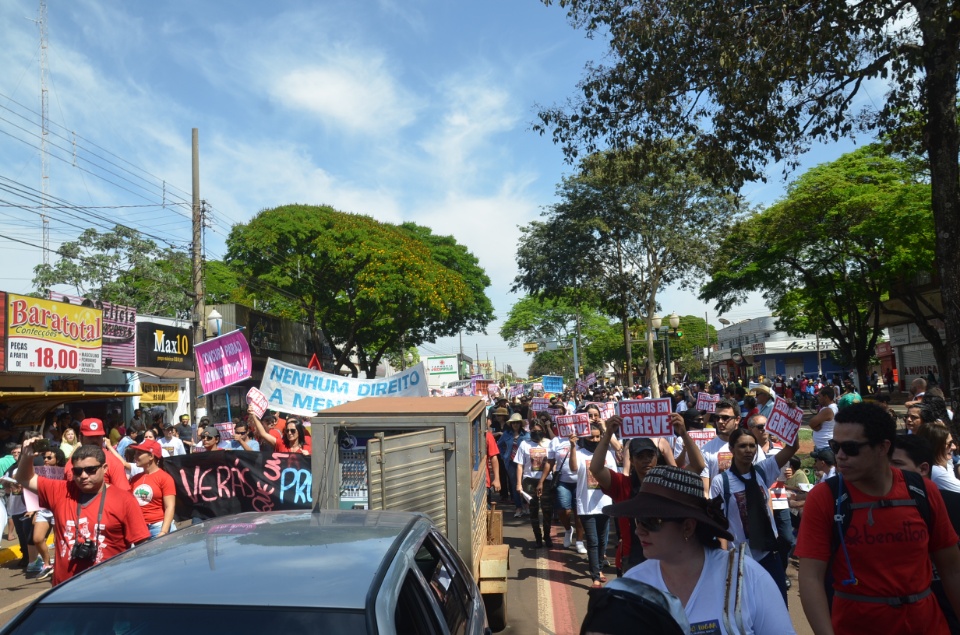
(785, 421)
(258, 402)
(539, 404)
(223, 361)
(226, 430)
(707, 402)
(645, 418)
(578, 424)
(702, 437)
(607, 408)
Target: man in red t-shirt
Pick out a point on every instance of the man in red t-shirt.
(93, 521)
(493, 464)
(889, 547)
(92, 433)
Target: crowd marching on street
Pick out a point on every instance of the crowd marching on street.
(711, 516)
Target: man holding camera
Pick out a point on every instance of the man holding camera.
(93, 521)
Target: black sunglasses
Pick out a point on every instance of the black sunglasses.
(206, 437)
(721, 418)
(759, 427)
(654, 525)
(89, 470)
(850, 448)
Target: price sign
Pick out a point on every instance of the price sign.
(785, 421)
(53, 337)
(707, 402)
(578, 424)
(645, 418)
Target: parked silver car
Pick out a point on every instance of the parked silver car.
(280, 572)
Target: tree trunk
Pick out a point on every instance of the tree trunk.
(941, 63)
(651, 355)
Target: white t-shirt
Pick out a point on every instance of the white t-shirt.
(533, 457)
(682, 406)
(778, 490)
(944, 479)
(590, 498)
(762, 607)
(767, 473)
(825, 433)
(717, 457)
(561, 448)
(172, 447)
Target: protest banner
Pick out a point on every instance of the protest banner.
(591, 379)
(537, 386)
(493, 390)
(785, 421)
(515, 391)
(305, 392)
(556, 411)
(645, 418)
(581, 386)
(539, 404)
(707, 402)
(225, 429)
(578, 424)
(552, 383)
(223, 361)
(702, 437)
(257, 401)
(212, 484)
(607, 408)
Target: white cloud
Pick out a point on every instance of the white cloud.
(356, 92)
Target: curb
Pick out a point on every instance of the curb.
(9, 554)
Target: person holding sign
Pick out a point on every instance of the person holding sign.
(508, 444)
(744, 493)
(565, 481)
(590, 497)
(717, 456)
(532, 484)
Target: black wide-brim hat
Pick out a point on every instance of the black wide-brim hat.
(670, 492)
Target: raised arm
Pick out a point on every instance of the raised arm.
(694, 459)
(598, 463)
(25, 474)
(265, 437)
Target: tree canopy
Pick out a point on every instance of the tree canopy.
(627, 225)
(370, 288)
(825, 255)
(754, 82)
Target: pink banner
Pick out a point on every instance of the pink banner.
(785, 421)
(578, 424)
(223, 361)
(645, 418)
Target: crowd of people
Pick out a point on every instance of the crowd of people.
(96, 456)
(716, 522)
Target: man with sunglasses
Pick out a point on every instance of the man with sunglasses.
(779, 501)
(93, 520)
(881, 565)
(242, 440)
(92, 433)
(716, 452)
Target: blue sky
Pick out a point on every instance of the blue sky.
(400, 109)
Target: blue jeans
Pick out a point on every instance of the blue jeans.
(512, 483)
(565, 495)
(595, 530)
(771, 563)
(155, 528)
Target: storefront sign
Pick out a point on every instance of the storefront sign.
(119, 328)
(163, 346)
(160, 393)
(442, 365)
(53, 337)
(302, 391)
(223, 361)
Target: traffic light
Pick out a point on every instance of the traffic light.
(679, 334)
(581, 371)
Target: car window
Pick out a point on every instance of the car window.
(446, 579)
(155, 619)
(415, 614)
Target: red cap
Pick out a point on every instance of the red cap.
(92, 428)
(149, 445)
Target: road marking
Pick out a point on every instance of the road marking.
(26, 600)
(556, 609)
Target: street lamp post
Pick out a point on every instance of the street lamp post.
(215, 323)
(674, 321)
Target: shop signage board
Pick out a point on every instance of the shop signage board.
(160, 393)
(119, 328)
(163, 346)
(50, 337)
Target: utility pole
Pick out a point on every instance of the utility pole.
(197, 317)
(44, 117)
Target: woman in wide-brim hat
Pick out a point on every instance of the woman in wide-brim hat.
(679, 530)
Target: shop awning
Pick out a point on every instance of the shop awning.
(30, 408)
(158, 371)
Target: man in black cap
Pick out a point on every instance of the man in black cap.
(825, 463)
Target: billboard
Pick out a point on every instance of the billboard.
(53, 337)
(446, 365)
(119, 328)
(163, 346)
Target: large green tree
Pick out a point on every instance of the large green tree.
(758, 81)
(628, 224)
(369, 288)
(825, 255)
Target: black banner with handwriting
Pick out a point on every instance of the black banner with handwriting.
(213, 484)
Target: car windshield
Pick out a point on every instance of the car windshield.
(152, 619)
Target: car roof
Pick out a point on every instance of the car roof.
(326, 559)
